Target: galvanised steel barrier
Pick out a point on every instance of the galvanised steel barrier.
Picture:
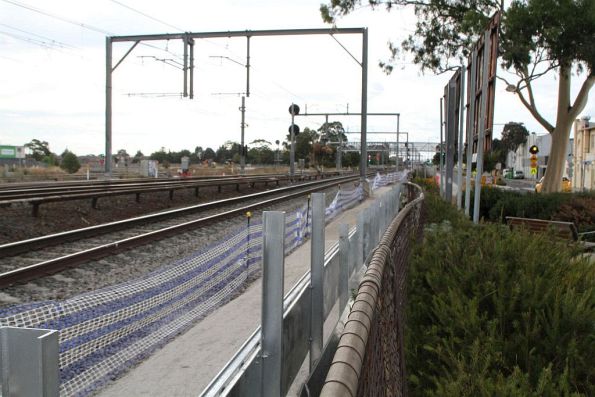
(307, 306)
(369, 360)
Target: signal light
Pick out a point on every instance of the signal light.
(294, 109)
(295, 129)
(534, 149)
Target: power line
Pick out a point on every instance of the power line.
(77, 23)
(70, 21)
(147, 15)
(53, 41)
(30, 40)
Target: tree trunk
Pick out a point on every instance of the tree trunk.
(552, 182)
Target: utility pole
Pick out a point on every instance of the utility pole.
(243, 152)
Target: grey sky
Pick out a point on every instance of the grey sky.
(52, 73)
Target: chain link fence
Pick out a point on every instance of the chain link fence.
(369, 360)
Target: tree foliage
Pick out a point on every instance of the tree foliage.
(138, 157)
(70, 163)
(39, 149)
(514, 135)
(537, 36)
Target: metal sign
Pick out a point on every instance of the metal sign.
(476, 69)
(12, 152)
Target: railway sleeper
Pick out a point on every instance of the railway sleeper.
(196, 191)
(138, 197)
(35, 209)
(171, 194)
(94, 202)
(237, 187)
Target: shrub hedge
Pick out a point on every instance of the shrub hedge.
(496, 313)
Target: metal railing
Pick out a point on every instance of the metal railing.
(369, 360)
(306, 307)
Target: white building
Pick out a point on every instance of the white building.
(583, 177)
(521, 158)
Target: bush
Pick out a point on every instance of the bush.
(579, 208)
(70, 163)
(496, 313)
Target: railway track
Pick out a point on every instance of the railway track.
(41, 194)
(38, 257)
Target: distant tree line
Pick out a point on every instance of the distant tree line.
(316, 147)
(40, 151)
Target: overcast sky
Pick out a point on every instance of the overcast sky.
(52, 75)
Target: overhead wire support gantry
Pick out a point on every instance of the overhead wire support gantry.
(188, 69)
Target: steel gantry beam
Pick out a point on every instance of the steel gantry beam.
(188, 40)
(339, 150)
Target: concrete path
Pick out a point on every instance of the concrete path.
(186, 365)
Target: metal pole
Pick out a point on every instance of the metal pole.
(460, 145)
(292, 149)
(343, 266)
(398, 132)
(108, 106)
(441, 135)
(29, 362)
(317, 278)
(450, 139)
(191, 42)
(242, 154)
(361, 255)
(272, 302)
(398, 147)
(481, 127)
(248, 66)
(470, 127)
(185, 41)
(364, 122)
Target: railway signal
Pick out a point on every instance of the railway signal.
(294, 129)
(294, 110)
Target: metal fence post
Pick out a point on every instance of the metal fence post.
(273, 260)
(366, 230)
(317, 277)
(344, 272)
(29, 362)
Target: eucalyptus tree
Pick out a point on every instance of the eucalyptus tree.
(537, 37)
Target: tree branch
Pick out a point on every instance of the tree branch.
(581, 99)
(533, 110)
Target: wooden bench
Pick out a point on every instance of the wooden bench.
(563, 230)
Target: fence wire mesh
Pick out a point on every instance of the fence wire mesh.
(369, 360)
(103, 333)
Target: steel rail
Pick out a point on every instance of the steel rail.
(54, 265)
(133, 187)
(96, 195)
(67, 185)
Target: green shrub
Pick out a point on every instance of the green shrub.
(496, 313)
(496, 204)
(70, 163)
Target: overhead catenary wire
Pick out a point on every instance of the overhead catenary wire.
(77, 23)
(50, 40)
(30, 40)
(147, 15)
